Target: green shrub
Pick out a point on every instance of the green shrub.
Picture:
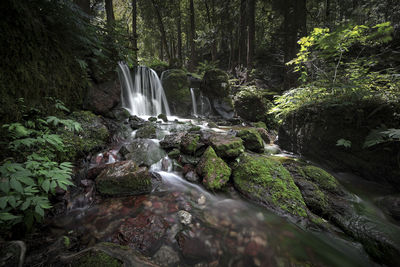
(33, 171)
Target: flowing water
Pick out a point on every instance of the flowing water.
(143, 95)
(194, 103)
(194, 226)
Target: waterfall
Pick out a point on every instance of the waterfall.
(194, 103)
(144, 95)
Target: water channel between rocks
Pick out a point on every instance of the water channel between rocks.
(180, 223)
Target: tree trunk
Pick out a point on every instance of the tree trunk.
(192, 37)
(134, 30)
(251, 33)
(242, 34)
(179, 29)
(84, 5)
(110, 13)
(162, 29)
(161, 56)
(327, 13)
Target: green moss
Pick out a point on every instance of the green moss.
(320, 177)
(189, 143)
(147, 131)
(268, 181)
(195, 129)
(214, 170)
(227, 146)
(98, 258)
(173, 154)
(260, 124)
(152, 119)
(216, 83)
(252, 140)
(163, 117)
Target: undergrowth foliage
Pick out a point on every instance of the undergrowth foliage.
(34, 171)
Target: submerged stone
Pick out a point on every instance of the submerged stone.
(124, 178)
(252, 140)
(144, 152)
(147, 131)
(267, 181)
(214, 171)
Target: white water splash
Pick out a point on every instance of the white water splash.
(143, 96)
(194, 103)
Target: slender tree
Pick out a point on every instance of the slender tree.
(134, 29)
(251, 32)
(179, 32)
(192, 37)
(162, 29)
(110, 13)
(242, 34)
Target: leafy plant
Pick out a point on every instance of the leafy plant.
(343, 142)
(33, 173)
(206, 65)
(382, 135)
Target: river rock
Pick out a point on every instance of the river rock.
(102, 98)
(144, 152)
(172, 140)
(214, 171)
(391, 205)
(252, 140)
(124, 178)
(120, 114)
(192, 248)
(226, 146)
(166, 256)
(190, 143)
(224, 107)
(147, 131)
(135, 122)
(185, 217)
(266, 181)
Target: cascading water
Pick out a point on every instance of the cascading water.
(194, 103)
(143, 96)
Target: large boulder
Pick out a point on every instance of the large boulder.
(176, 87)
(214, 171)
(92, 138)
(102, 98)
(215, 84)
(224, 107)
(143, 152)
(124, 178)
(190, 143)
(268, 182)
(147, 131)
(314, 131)
(252, 104)
(172, 140)
(226, 146)
(252, 140)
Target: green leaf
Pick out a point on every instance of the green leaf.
(12, 201)
(46, 185)
(39, 210)
(16, 185)
(343, 142)
(26, 204)
(3, 202)
(5, 186)
(5, 216)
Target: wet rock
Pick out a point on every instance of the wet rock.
(259, 124)
(215, 84)
(268, 138)
(185, 217)
(135, 122)
(163, 117)
(172, 140)
(144, 152)
(192, 248)
(144, 233)
(147, 131)
(201, 200)
(322, 178)
(267, 181)
(174, 153)
(176, 86)
(227, 146)
(120, 114)
(101, 98)
(190, 143)
(124, 178)
(391, 205)
(194, 129)
(214, 171)
(224, 107)
(192, 176)
(188, 159)
(272, 149)
(252, 140)
(166, 256)
(97, 258)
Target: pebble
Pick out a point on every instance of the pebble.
(185, 217)
(201, 200)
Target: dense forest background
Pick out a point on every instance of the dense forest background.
(60, 48)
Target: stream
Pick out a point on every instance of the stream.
(182, 224)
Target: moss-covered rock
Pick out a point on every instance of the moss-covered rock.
(174, 153)
(252, 140)
(143, 152)
(267, 181)
(147, 131)
(93, 137)
(163, 117)
(124, 178)
(215, 84)
(320, 177)
(214, 171)
(176, 87)
(252, 104)
(227, 146)
(190, 143)
(260, 124)
(97, 258)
